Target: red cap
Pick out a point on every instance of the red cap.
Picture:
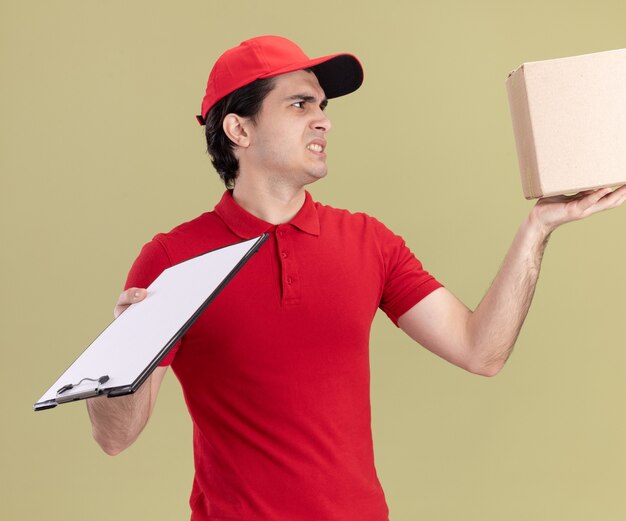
(267, 56)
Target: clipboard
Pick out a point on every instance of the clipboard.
(122, 357)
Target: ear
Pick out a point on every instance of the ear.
(236, 128)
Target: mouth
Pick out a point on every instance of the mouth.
(316, 146)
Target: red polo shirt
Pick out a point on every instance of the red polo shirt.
(275, 372)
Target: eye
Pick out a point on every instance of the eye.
(299, 104)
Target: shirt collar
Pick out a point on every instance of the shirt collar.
(247, 226)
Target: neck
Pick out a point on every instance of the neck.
(275, 204)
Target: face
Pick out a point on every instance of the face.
(288, 141)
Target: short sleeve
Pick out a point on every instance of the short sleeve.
(406, 280)
(150, 263)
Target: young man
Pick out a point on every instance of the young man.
(276, 371)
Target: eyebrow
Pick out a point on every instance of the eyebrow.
(309, 99)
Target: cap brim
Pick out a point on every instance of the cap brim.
(338, 74)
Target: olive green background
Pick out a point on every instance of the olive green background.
(100, 150)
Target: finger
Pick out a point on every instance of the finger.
(621, 191)
(617, 197)
(130, 296)
(609, 199)
(593, 198)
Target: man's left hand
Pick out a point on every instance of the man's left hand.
(551, 212)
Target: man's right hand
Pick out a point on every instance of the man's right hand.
(128, 297)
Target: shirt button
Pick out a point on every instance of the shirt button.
(283, 254)
(289, 280)
(281, 233)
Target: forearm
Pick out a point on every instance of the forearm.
(481, 341)
(117, 422)
(495, 324)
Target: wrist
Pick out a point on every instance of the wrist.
(536, 226)
(534, 236)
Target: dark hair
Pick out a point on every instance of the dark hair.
(245, 102)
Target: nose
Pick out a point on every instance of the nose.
(321, 122)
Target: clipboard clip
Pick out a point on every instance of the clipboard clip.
(91, 391)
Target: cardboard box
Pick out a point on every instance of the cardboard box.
(569, 121)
